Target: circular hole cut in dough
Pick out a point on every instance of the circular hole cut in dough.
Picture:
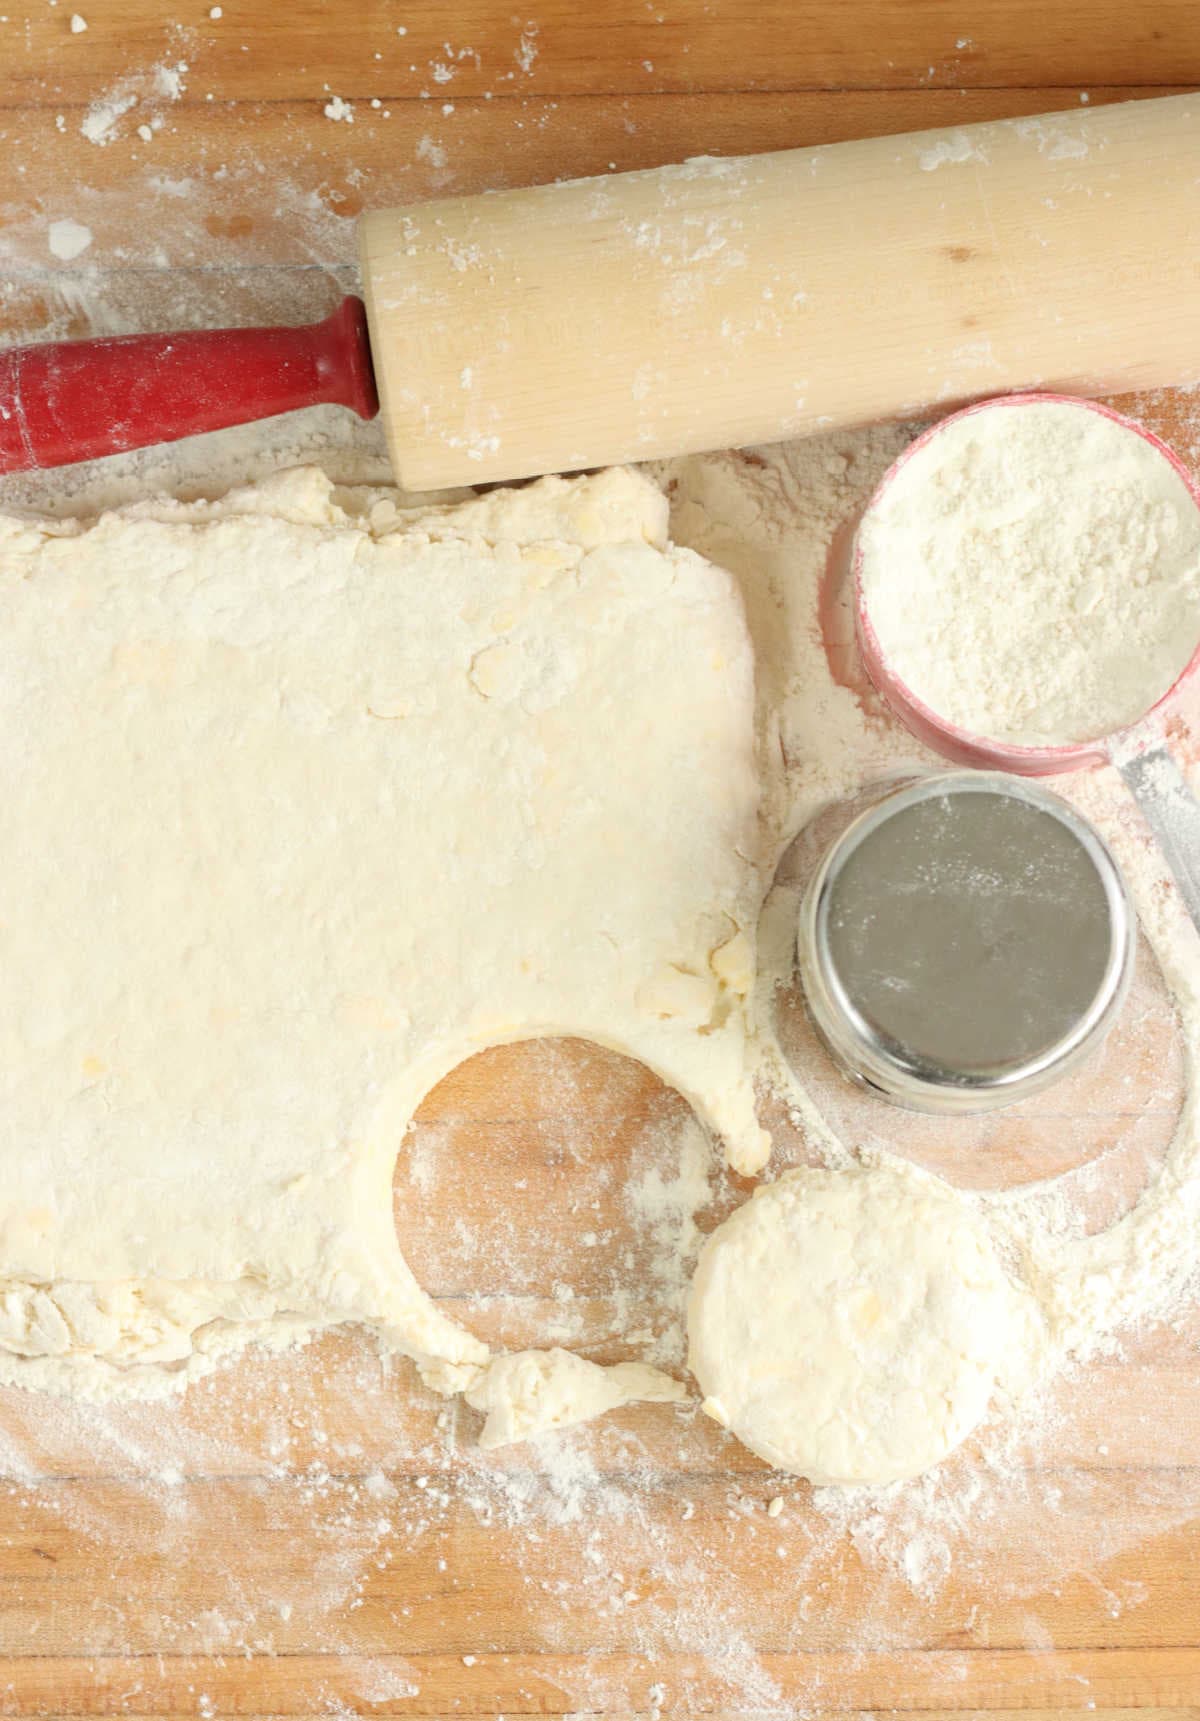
(849, 1325)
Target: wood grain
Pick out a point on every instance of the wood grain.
(258, 52)
(225, 1557)
(1153, 1684)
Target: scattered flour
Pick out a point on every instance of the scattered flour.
(68, 239)
(99, 123)
(324, 1450)
(527, 51)
(433, 153)
(955, 146)
(147, 89)
(1012, 1517)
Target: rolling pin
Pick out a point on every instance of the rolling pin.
(713, 304)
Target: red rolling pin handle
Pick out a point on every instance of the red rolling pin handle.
(74, 400)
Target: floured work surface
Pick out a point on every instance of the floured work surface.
(299, 1535)
(324, 1531)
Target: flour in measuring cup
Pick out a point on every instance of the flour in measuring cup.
(1032, 573)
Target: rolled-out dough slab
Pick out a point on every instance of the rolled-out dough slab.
(305, 799)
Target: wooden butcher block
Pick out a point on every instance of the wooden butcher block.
(311, 1534)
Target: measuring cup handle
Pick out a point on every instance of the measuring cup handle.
(1168, 806)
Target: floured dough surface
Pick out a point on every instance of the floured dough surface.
(307, 798)
(850, 1325)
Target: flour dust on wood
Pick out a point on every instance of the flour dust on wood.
(385, 1486)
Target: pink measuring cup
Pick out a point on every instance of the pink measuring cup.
(1150, 771)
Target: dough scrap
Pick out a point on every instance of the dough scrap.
(532, 1392)
(308, 797)
(849, 1325)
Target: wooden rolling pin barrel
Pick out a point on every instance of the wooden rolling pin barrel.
(713, 304)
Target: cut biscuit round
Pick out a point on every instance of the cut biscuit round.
(849, 1325)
